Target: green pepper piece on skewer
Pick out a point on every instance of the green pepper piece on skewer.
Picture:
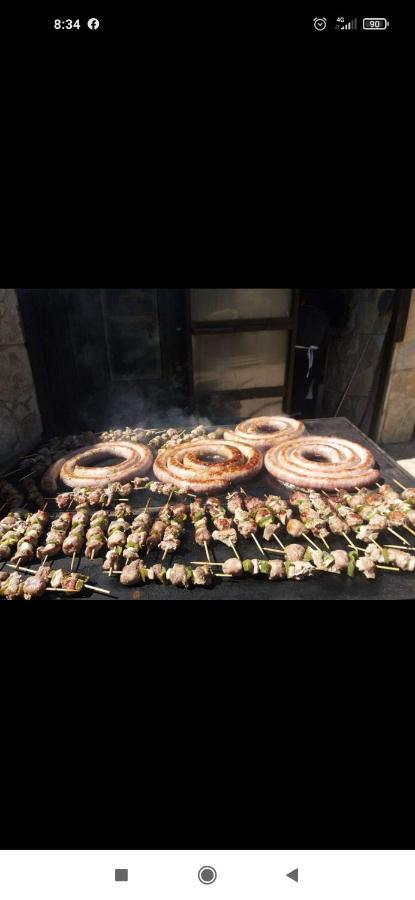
(352, 563)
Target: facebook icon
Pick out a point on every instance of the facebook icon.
(93, 23)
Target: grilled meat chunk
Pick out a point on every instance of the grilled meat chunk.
(131, 573)
(294, 552)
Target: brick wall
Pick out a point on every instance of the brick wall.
(20, 423)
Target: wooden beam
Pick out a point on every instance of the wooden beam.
(289, 366)
(244, 393)
(235, 326)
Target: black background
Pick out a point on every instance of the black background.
(203, 153)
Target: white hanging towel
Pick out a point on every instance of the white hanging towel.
(310, 354)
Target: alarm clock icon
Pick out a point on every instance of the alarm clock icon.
(320, 23)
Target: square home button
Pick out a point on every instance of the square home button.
(121, 874)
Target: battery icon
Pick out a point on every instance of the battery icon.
(375, 24)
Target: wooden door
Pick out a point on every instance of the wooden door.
(243, 350)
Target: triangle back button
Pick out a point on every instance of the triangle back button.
(293, 875)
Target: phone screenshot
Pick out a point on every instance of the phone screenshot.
(207, 444)
(207, 495)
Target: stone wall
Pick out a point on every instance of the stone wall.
(362, 339)
(397, 418)
(20, 422)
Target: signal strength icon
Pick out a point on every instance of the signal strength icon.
(349, 26)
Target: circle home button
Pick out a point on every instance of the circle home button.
(207, 874)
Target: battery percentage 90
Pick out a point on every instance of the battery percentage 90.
(375, 24)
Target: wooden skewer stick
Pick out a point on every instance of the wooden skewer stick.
(234, 550)
(73, 561)
(43, 562)
(206, 551)
(258, 544)
(91, 587)
(62, 590)
(399, 536)
(202, 562)
(13, 472)
(93, 553)
(398, 547)
(164, 554)
(350, 543)
(310, 541)
(26, 476)
(407, 528)
(324, 542)
(389, 568)
(274, 550)
(110, 571)
(147, 504)
(278, 541)
(220, 575)
(400, 484)
(377, 484)
(376, 544)
(169, 497)
(45, 505)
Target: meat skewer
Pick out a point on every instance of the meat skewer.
(75, 540)
(179, 575)
(301, 562)
(136, 540)
(55, 537)
(319, 515)
(245, 521)
(12, 587)
(223, 526)
(174, 530)
(26, 546)
(10, 539)
(59, 574)
(380, 510)
(198, 517)
(12, 530)
(12, 519)
(156, 533)
(96, 534)
(116, 543)
(336, 561)
(36, 585)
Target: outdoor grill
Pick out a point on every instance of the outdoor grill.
(387, 586)
(153, 397)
